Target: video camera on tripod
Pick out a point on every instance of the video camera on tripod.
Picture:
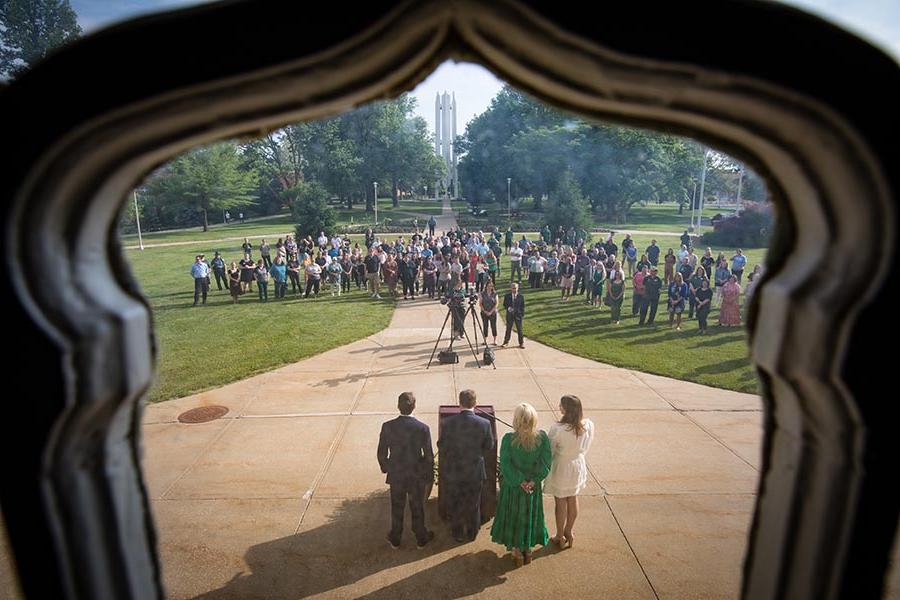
(459, 306)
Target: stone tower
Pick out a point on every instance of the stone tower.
(444, 136)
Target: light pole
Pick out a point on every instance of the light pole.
(375, 183)
(426, 192)
(137, 219)
(702, 187)
(508, 205)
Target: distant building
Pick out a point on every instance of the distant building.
(444, 137)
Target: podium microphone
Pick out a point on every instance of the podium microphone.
(481, 412)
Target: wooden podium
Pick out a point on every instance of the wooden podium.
(489, 491)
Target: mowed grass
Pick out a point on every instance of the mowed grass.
(209, 346)
(718, 359)
(283, 224)
(652, 217)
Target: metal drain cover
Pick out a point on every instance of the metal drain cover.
(203, 414)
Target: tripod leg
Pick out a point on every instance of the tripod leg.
(477, 362)
(438, 340)
(475, 325)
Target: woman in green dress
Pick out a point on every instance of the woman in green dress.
(615, 293)
(525, 459)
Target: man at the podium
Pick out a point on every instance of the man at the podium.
(465, 438)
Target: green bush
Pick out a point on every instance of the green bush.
(310, 209)
(752, 227)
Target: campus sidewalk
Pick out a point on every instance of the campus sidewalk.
(283, 498)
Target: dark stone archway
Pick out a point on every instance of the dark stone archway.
(816, 118)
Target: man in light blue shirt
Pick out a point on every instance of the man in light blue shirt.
(738, 262)
(200, 273)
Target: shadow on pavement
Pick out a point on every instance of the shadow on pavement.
(350, 546)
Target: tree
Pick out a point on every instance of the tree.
(567, 206)
(30, 29)
(485, 161)
(617, 167)
(210, 178)
(311, 211)
(538, 159)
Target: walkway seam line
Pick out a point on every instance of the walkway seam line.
(630, 547)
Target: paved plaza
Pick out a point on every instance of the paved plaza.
(283, 498)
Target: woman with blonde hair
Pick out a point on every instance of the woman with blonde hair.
(524, 463)
(570, 439)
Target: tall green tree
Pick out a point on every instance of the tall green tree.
(311, 211)
(485, 161)
(29, 29)
(210, 178)
(538, 158)
(567, 206)
(618, 167)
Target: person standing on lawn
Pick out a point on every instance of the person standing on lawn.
(738, 262)
(678, 291)
(670, 261)
(200, 273)
(234, 282)
(262, 280)
(652, 288)
(615, 294)
(279, 274)
(218, 269)
(266, 254)
(652, 253)
(637, 298)
(704, 299)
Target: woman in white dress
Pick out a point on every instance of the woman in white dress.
(570, 439)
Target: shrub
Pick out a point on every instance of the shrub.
(310, 209)
(752, 227)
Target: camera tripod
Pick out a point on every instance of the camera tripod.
(476, 322)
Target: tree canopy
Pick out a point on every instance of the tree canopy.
(614, 167)
(29, 29)
(301, 167)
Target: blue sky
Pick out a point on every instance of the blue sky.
(875, 20)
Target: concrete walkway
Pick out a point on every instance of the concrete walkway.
(283, 498)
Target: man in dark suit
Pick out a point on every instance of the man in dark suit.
(405, 454)
(465, 438)
(514, 303)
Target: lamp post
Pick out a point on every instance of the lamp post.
(508, 205)
(426, 192)
(702, 187)
(375, 183)
(137, 219)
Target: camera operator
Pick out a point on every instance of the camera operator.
(456, 302)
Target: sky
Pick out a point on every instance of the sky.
(877, 21)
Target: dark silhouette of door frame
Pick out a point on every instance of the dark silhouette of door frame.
(810, 107)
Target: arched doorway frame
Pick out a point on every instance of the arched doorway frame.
(85, 317)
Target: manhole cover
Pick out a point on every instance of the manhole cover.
(203, 414)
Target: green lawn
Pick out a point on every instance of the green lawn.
(284, 224)
(652, 217)
(208, 346)
(718, 359)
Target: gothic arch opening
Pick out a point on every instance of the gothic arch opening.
(812, 120)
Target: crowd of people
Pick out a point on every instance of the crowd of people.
(461, 262)
(532, 462)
